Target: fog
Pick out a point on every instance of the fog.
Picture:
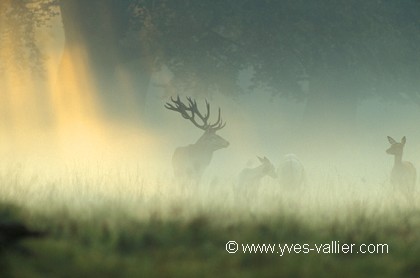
(260, 125)
(59, 136)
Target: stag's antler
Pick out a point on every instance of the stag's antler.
(192, 108)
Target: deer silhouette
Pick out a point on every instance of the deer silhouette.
(249, 179)
(403, 173)
(189, 162)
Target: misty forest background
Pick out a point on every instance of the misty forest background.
(327, 80)
(86, 143)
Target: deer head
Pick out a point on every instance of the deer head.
(188, 111)
(396, 148)
(268, 167)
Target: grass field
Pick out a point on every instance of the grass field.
(104, 223)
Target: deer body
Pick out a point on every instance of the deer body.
(189, 162)
(403, 173)
(291, 171)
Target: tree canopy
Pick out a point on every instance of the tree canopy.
(18, 23)
(346, 48)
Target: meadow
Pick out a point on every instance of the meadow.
(120, 222)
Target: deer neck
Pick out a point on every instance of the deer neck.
(398, 159)
(203, 145)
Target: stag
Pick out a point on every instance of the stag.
(189, 162)
(403, 173)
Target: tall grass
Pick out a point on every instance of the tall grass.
(128, 222)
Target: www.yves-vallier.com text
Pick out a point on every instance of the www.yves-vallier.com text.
(281, 249)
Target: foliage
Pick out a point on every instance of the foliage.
(18, 23)
(344, 47)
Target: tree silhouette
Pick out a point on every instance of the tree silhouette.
(345, 51)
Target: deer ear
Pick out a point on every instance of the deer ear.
(403, 140)
(260, 159)
(391, 140)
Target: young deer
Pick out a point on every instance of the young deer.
(291, 171)
(403, 174)
(189, 162)
(250, 178)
